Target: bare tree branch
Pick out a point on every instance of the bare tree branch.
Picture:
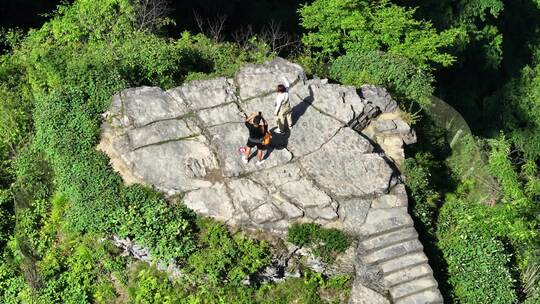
(279, 40)
(200, 22)
(272, 34)
(243, 35)
(216, 27)
(151, 14)
(212, 28)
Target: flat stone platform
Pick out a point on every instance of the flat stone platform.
(331, 168)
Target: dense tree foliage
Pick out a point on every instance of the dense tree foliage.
(370, 35)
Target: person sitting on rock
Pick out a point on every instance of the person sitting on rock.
(283, 107)
(257, 127)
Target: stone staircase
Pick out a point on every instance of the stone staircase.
(390, 244)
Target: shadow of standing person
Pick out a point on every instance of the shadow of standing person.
(301, 108)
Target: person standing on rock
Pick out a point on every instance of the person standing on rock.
(283, 107)
(257, 127)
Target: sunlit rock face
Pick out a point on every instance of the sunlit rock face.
(338, 165)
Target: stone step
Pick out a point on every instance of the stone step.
(388, 239)
(413, 287)
(412, 259)
(429, 296)
(382, 221)
(392, 252)
(407, 274)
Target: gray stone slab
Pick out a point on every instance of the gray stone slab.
(169, 166)
(254, 80)
(338, 101)
(266, 213)
(432, 296)
(301, 92)
(347, 173)
(353, 213)
(305, 194)
(363, 295)
(345, 166)
(200, 94)
(407, 274)
(380, 241)
(389, 201)
(278, 227)
(228, 113)
(379, 97)
(381, 220)
(162, 131)
(350, 140)
(312, 129)
(412, 287)
(288, 209)
(247, 194)
(401, 126)
(144, 105)
(276, 177)
(324, 213)
(392, 252)
(212, 201)
(400, 191)
(385, 126)
(408, 260)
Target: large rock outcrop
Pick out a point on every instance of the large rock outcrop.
(331, 168)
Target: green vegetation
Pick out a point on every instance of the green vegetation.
(479, 235)
(148, 285)
(477, 262)
(475, 198)
(377, 42)
(221, 256)
(324, 243)
(479, 224)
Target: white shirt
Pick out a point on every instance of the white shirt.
(282, 98)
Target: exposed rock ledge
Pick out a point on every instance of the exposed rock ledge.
(331, 169)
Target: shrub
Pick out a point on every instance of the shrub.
(167, 230)
(306, 290)
(376, 42)
(151, 286)
(293, 290)
(7, 220)
(325, 243)
(78, 270)
(478, 268)
(303, 234)
(11, 283)
(16, 105)
(222, 257)
(424, 198)
(404, 78)
(478, 264)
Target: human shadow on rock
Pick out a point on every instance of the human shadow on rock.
(279, 141)
(301, 108)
